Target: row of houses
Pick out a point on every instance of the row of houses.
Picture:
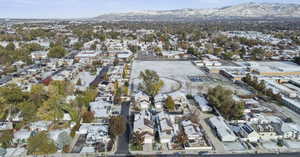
(103, 108)
(156, 121)
(168, 127)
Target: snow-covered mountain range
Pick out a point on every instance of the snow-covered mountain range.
(247, 10)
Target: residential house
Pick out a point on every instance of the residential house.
(203, 103)
(165, 128)
(95, 133)
(246, 132)
(290, 131)
(142, 100)
(196, 137)
(159, 101)
(101, 109)
(266, 131)
(222, 130)
(144, 123)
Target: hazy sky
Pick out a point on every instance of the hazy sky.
(91, 8)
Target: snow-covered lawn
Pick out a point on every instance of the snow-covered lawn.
(177, 70)
(180, 70)
(172, 69)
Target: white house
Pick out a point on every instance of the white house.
(144, 123)
(165, 128)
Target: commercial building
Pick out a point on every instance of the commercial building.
(275, 68)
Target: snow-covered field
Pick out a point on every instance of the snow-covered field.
(177, 70)
(174, 69)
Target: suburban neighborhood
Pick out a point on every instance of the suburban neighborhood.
(80, 88)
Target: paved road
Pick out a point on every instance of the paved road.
(79, 144)
(123, 141)
(100, 76)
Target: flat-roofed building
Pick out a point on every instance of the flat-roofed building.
(222, 130)
(293, 104)
(275, 68)
(234, 73)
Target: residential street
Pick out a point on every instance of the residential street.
(100, 76)
(123, 141)
(79, 144)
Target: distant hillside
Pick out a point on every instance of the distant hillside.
(247, 10)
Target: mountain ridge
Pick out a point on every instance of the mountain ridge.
(245, 10)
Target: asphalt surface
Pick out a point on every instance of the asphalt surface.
(79, 144)
(123, 141)
(100, 76)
